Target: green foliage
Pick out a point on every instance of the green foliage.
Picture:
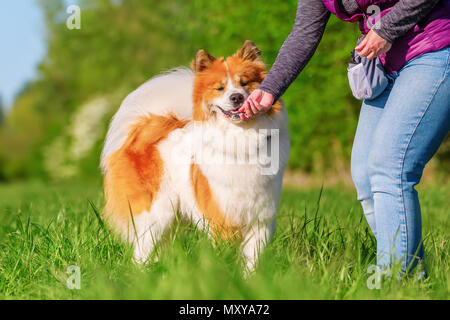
(121, 46)
(2, 112)
(321, 250)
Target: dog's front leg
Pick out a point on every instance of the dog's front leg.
(255, 239)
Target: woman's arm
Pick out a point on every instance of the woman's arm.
(298, 48)
(403, 17)
(312, 17)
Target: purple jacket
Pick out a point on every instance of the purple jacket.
(431, 34)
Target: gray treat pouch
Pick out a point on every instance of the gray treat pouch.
(367, 78)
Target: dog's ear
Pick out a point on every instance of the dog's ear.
(249, 51)
(202, 61)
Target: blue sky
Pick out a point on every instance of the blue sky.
(22, 38)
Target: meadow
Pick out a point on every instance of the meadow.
(322, 249)
(54, 132)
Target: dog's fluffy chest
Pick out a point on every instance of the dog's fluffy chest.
(232, 161)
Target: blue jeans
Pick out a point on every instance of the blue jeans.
(397, 134)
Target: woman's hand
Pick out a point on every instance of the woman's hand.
(372, 46)
(258, 101)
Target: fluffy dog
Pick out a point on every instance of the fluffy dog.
(178, 145)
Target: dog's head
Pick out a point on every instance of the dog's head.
(222, 85)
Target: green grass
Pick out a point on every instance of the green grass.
(318, 252)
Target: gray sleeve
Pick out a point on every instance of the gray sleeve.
(403, 17)
(298, 48)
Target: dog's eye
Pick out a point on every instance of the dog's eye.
(243, 83)
(220, 88)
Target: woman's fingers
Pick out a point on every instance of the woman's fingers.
(257, 102)
(365, 46)
(246, 104)
(248, 111)
(364, 51)
(251, 109)
(255, 107)
(361, 45)
(245, 110)
(372, 46)
(371, 55)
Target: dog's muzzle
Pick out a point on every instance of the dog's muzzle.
(234, 115)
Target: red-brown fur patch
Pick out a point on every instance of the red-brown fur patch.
(134, 172)
(209, 207)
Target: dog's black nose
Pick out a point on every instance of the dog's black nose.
(237, 98)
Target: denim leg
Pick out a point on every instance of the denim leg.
(415, 121)
(371, 111)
